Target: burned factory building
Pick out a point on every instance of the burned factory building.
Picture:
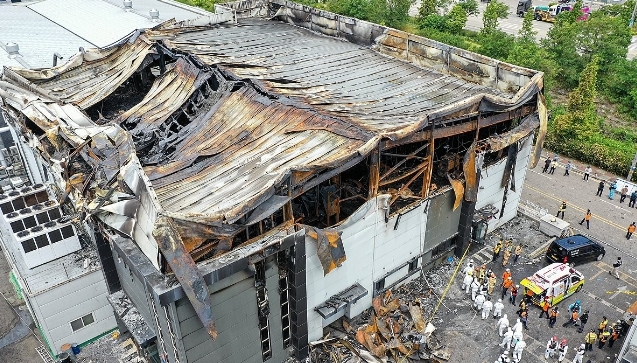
(245, 180)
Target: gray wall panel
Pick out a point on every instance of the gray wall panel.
(442, 220)
(234, 306)
(134, 288)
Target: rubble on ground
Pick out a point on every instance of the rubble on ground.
(409, 322)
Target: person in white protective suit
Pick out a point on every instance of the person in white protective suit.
(562, 349)
(517, 351)
(551, 346)
(470, 267)
(466, 283)
(517, 336)
(579, 354)
(517, 326)
(508, 337)
(503, 323)
(479, 301)
(475, 285)
(486, 308)
(504, 358)
(497, 309)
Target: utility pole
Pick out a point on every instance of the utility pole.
(634, 164)
(632, 17)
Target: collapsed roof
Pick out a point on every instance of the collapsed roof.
(208, 129)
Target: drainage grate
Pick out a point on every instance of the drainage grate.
(44, 354)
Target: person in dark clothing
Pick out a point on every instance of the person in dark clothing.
(633, 199)
(600, 188)
(553, 316)
(567, 167)
(583, 320)
(547, 163)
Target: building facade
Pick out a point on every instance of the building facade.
(249, 180)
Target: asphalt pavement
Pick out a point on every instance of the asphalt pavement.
(602, 294)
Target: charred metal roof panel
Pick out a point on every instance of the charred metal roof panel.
(89, 77)
(232, 159)
(96, 21)
(37, 37)
(375, 91)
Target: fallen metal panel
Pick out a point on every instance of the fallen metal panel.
(330, 248)
(539, 142)
(470, 174)
(186, 271)
(266, 208)
(496, 143)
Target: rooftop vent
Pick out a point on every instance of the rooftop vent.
(13, 215)
(37, 229)
(14, 193)
(49, 203)
(25, 211)
(13, 48)
(38, 186)
(38, 207)
(2, 196)
(25, 190)
(50, 224)
(154, 14)
(23, 233)
(128, 5)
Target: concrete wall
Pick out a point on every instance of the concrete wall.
(491, 192)
(374, 248)
(234, 306)
(56, 308)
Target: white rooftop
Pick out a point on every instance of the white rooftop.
(37, 37)
(42, 28)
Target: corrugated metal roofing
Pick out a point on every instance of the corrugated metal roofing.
(228, 157)
(167, 9)
(96, 21)
(339, 78)
(37, 37)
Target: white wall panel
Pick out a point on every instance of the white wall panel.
(373, 249)
(56, 308)
(490, 191)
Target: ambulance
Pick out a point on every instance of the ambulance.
(553, 284)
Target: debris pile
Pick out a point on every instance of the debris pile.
(397, 328)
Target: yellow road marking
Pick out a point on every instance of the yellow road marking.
(624, 277)
(601, 219)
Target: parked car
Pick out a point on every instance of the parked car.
(523, 6)
(575, 249)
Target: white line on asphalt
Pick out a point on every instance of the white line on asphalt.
(541, 174)
(616, 206)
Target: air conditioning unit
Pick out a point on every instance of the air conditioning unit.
(38, 207)
(23, 233)
(50, 203)
(37, 229)
(50, 224)
(17, 182)
(6, 154)
(13, 215)
(13, 150)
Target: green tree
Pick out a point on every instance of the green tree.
(396, 12)
(495, 11)
(620, 83)
(431, 7)
(470, 7)
(580, 122)
(561, 46)
(604, 36)
(526, 33)
(456, 19)
(358, 9)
